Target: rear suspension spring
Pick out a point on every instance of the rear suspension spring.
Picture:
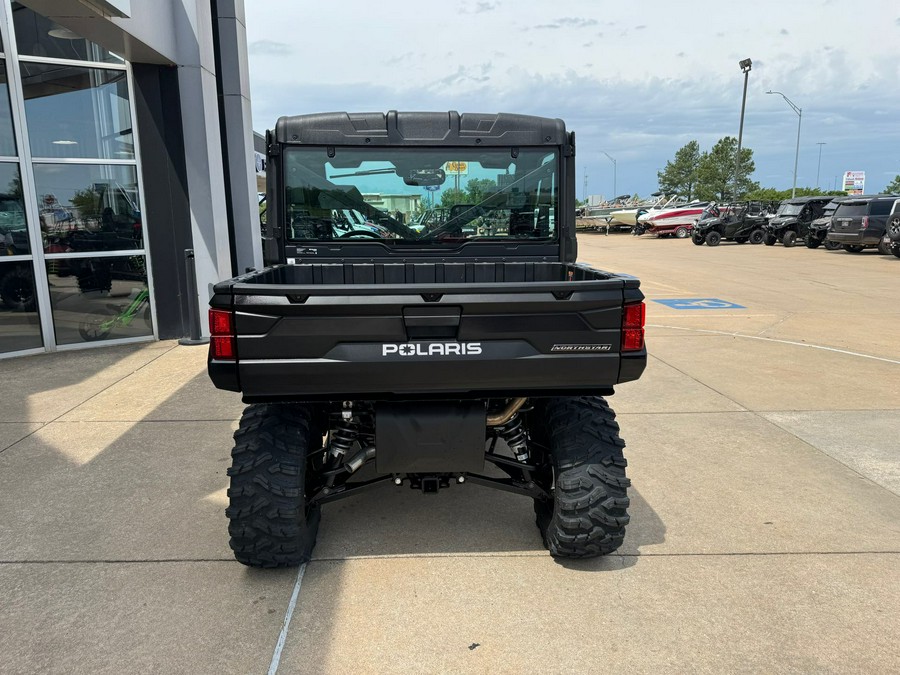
(513, 432)
(343, 436)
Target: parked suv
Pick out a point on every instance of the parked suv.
(792, 220)
(893, 229)
(861, 222)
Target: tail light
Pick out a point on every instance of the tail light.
(865, 223)
(221, 335)
(633, 318)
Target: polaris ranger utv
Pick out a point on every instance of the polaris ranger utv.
(793, 218)
(382, 353)
(741, 222)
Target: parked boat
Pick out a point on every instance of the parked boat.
(630, 216)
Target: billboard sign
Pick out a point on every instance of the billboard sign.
(456, 168)
(854, 182)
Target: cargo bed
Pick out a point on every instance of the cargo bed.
(426, 329)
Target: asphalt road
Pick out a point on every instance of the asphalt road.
(765, 531)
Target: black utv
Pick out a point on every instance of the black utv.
(893, 229)
(793, 218)
(741, 223)
(818, 229)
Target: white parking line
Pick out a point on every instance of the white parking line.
(785, 342)
(279, 646)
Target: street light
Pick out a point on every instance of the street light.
(819, 165)
(799, 112)
(745, 69)
(615, 191)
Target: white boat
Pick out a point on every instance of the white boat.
(630, 216)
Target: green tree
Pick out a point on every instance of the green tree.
(679, 177)
(86, 201)
(894, 186)
(453, 196)
(775, 195)
(716, 172)
(479, 189)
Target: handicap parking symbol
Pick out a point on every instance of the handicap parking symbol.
(699, 303)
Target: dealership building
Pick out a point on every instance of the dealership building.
(125, 141)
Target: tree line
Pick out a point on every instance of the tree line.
(712, 175)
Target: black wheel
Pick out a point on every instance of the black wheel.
(713, 238)
(769, 239)
(17, 289)
(98, 325)
(697, 238)
(812, 243)
(895, 249)
(681, 232)
(884, 247)
(832, 245)
(757, 236)
(853, 248)
(789, 238)
(272, 523)
(586, 473)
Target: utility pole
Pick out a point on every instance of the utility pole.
(584, 187)
(745, 65)
(615, 187)
(819, 165)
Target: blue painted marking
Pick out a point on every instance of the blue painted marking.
(699, 303)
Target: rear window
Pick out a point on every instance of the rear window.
(851, 210)
(881, 207)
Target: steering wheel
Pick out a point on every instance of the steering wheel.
(355, 233)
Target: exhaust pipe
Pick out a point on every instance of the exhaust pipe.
(507, 414)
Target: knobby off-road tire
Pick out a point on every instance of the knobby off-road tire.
(713, 238)
(812, 243)
(271, 523)
(789, 238)
(770, 239)
(697, 239)
(832, 245)
(895, 249)
(884, 248)
(757, 236)
(589, 510)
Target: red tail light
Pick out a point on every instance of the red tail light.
(221, 331)
(865, 223)
(633, 318)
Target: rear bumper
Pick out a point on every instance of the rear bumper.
(329, 379)
(864, 238)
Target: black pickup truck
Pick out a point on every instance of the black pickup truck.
(383, 344)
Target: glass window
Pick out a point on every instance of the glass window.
(19, 324)
(420, 195)
(880, 207)
(77, 112)
(88, 207)
(7, 140)
(99, 298)
(13, 227)
(37, 35)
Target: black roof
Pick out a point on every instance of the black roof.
(420, 128)
(805, 200)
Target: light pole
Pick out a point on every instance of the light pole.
(799, 112)
(615, 191)
(819, 165)
(745, 69)
(584, 187)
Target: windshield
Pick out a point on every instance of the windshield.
(420, 195)
(790, 209)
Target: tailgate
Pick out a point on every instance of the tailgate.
(542, 327)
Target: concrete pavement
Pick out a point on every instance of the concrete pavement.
(765, 531)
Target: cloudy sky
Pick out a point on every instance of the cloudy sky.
(636, 80)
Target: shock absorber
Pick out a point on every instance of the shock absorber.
(513, 432)
(343, 436)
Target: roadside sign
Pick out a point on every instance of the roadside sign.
(855, 182)
(699, 303)
(457, 168)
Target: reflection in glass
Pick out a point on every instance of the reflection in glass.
(13, 226)
(88, 207)
(19, 324)
(99, 298)
(7, 140)
(77, 112)
(37, 35)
